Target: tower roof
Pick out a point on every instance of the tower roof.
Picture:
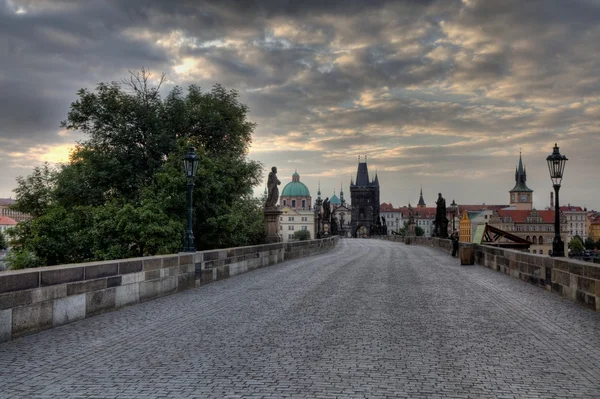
(362, 175)
(521, 178)
(421, 201)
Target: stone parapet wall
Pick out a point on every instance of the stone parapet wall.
(32, 300)
(571, 278)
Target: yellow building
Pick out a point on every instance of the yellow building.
(465, 227)
(593, 222)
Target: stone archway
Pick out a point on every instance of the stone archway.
(361, 232)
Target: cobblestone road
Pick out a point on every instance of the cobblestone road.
(367, 319)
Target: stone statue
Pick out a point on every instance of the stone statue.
(441, 207)
(272, 184)
(411, 215)
(326, 210)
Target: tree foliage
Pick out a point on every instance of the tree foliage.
(404, 230)
(3, 243)
(123, 191)
(575, 245)
(589, 243)
(302, 235)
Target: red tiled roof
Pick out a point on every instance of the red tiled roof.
(519, 216)
(571, 209)
(482, 207)
(6, 221)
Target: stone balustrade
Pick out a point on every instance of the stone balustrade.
(32, 300)
(574, 279)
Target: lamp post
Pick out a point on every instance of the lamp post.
(453, 206)
(556, 166)
(190, 165)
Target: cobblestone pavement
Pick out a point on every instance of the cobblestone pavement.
(368, 319)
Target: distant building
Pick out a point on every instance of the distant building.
(364, 195)
(576, 219)
(465, 228)
(6, 223)
(535, 226)
(296, 205)
(5, 210)
(394, 217)
(593, 225)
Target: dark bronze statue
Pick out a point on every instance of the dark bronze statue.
(272, 184)
(326, 210)
(441, 207)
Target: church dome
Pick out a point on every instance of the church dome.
(295, 188)
(334, 200)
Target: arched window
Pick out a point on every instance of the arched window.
(284, 202)
(303, 204)
(528, 238)
(541, 251)
(534, 251)
(293, 203)
(534, 239)
(541, 240)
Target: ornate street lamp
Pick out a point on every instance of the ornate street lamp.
(556, 166)
(453, 207)
(190, 165)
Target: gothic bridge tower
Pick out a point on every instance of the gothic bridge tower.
(364, 195)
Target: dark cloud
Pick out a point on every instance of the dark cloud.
(435, 92)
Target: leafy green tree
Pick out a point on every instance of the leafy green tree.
(598, 244)
(17, 259)
(589, 243)
(123, 191)
(575, 245)
(301, 235)
(35, 192)
(3, 243)
(405, 229)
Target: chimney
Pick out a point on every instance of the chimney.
(551, 200)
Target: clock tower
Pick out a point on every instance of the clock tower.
(521, 196)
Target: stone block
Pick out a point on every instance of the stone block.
(152, 275)
(170, 261)
(154, 263)
(561, 277)
(186, 281)
(100, 301)
(211, 255)
(5, 325)
(49, 293)
(585, 299)
(69, 309)
(156, 288)
(127, 295)
(62, 275)
(186, 259)
(86, 286)
(114, 281)
(133, 278)
(17, 298)
(99, 271)
(133, 266)
(31, 319)
(586, 285)
(592, 271)
(198, 257)
(19, 281)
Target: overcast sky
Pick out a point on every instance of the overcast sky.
(442, 94)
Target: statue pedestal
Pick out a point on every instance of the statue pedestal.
(441, 228)
(272, 225)
(326, 229)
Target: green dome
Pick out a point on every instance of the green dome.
(295, 189)
(335, 200)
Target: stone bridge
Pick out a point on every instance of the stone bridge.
(367, 319)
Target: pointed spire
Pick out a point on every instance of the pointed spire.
(421, 203)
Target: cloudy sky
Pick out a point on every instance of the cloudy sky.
(442, 94)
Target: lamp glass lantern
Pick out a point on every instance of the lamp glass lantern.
(556, 167)
(190, 165)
